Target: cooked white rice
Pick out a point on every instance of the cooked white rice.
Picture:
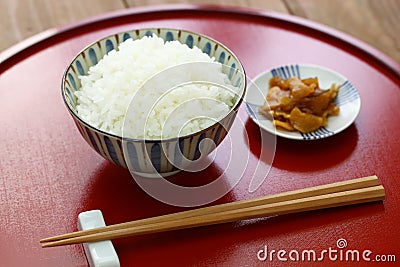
(169, 104)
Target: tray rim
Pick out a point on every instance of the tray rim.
(20, 51)
(36, 49)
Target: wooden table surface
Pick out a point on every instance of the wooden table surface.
(48, 174)
(374, 22)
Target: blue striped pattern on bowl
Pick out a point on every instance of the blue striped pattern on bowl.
(145, 156)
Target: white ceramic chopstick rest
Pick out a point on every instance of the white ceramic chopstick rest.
(102, 253)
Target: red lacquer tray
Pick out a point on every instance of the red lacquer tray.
(49, 174)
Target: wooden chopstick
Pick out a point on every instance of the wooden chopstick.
(337, 194)
(306, 192)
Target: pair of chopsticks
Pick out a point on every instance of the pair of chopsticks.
(361, 190)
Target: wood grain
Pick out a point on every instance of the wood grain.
(48, 174)
(20, 19)
(274, 5)
(348, 192)
(374, 22)
(364, 182)
(345, 198)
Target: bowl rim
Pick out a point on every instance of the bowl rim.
(171, 139)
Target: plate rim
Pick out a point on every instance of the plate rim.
(297, 135)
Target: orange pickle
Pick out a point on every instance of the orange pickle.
(296, 104)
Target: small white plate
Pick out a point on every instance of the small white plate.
(348, 99)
